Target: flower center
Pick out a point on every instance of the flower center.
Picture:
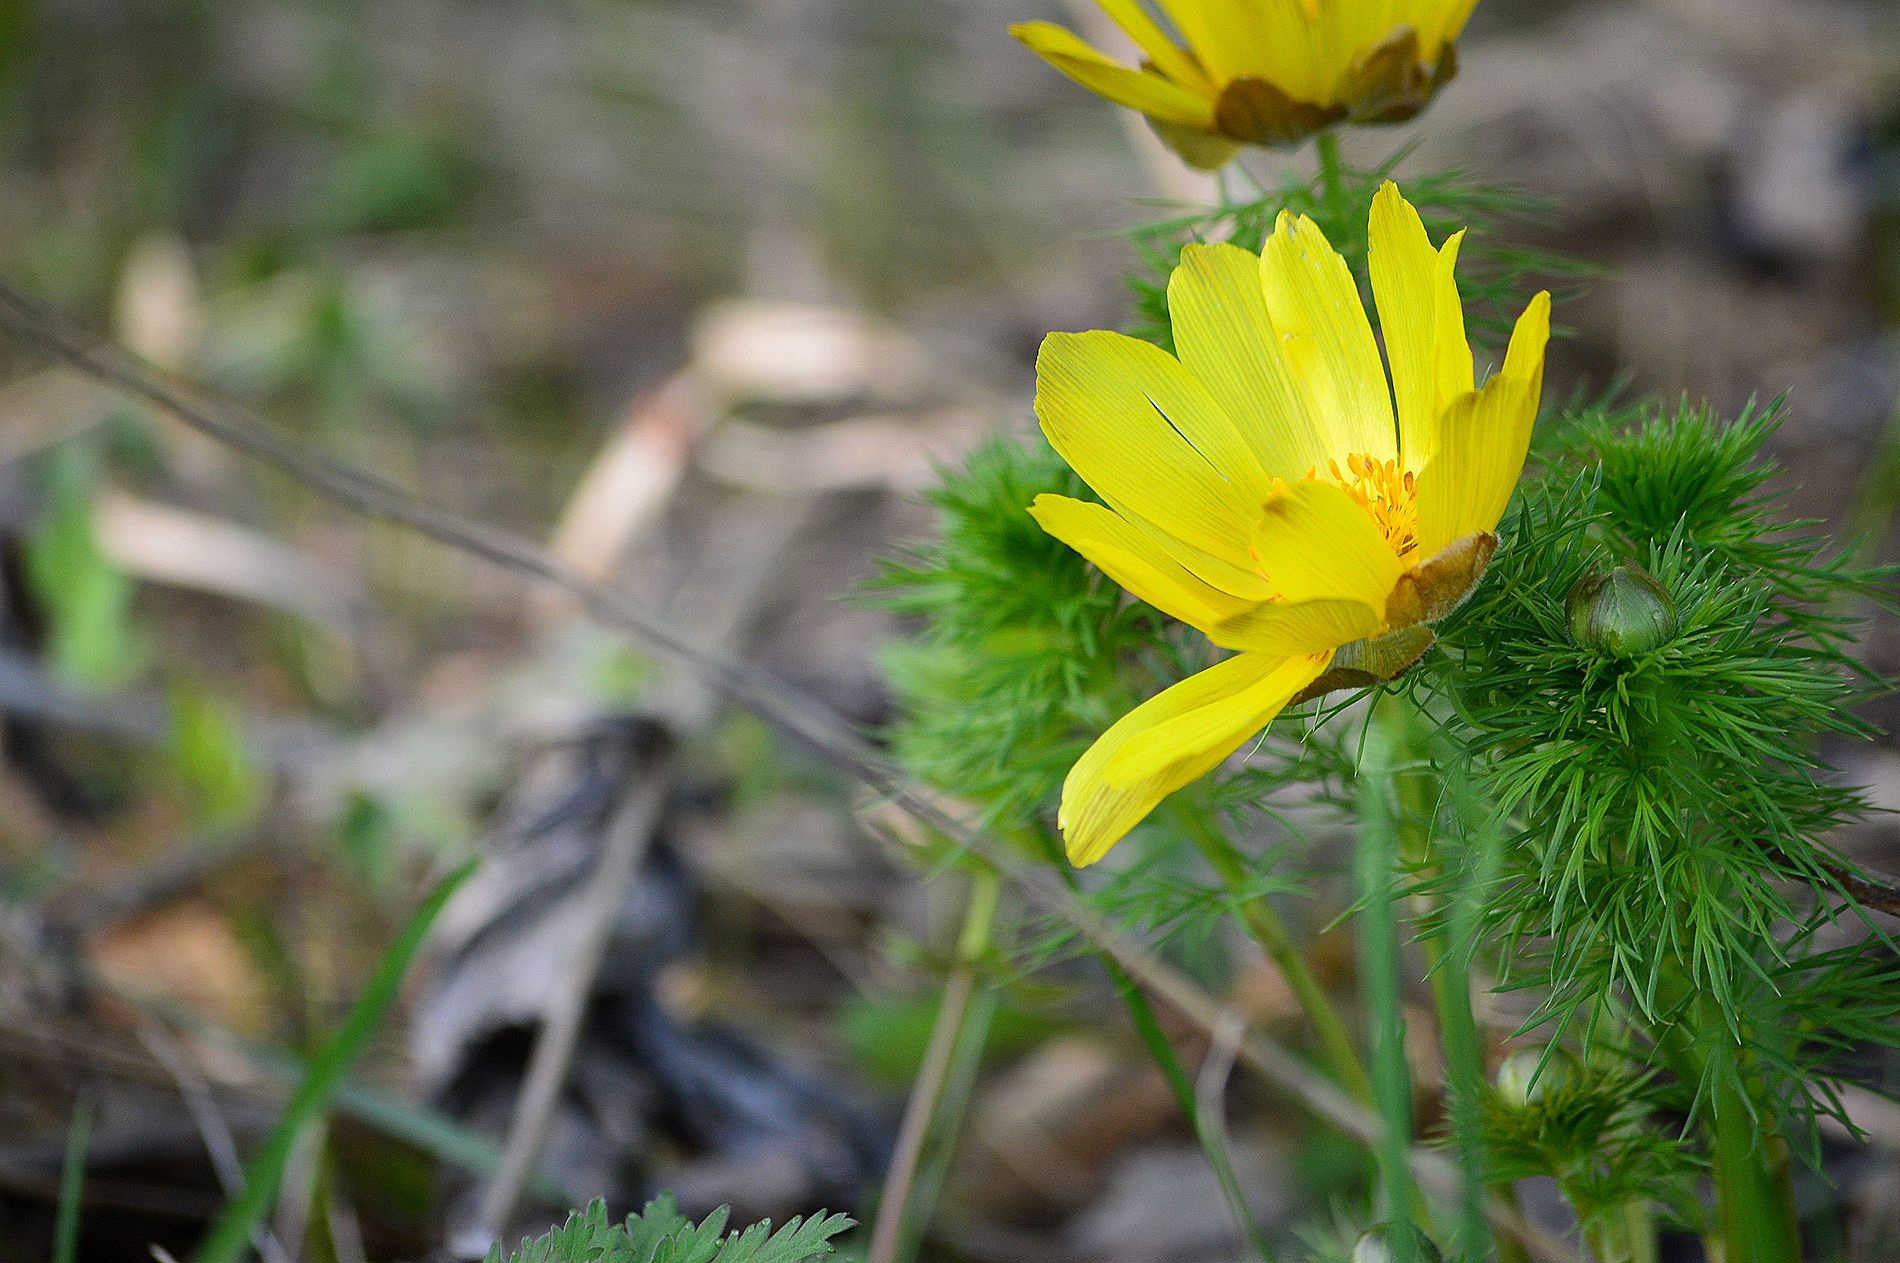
(1386, 492)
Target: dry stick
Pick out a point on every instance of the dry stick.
(626, 844)
(746, 687)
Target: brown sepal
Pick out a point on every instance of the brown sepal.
(1364, 663)
(1389, 83)
(1438, 585)
(1255, 112)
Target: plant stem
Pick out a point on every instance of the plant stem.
(1753, 1185)
(1375, 866)
(920, 1111)
(1447, 965)
(1148, 1026)
(1264, 924)
(1754, 1189)
(1332, 177)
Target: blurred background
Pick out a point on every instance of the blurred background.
(697, 292)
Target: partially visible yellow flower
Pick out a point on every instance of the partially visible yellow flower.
(1265, 72)
(1258, 490)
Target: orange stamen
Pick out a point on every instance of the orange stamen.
(1385, 491)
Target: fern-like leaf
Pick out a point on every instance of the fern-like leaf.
(660, 1234)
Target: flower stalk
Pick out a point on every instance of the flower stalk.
(1418, 791)
(923, 1110)
(1376, 863)
(1332, 176)
(1266, 927)
(1754, 1189)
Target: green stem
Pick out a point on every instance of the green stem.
(1332, 179)
(888, 1236)
(1140, 1012)
(1148, 1026)
(1375, 868)
(1447, 969)
(1624, 1234)
(1264, 924)
(1639, 1231)
(1753, 1184)
(1754, 1188)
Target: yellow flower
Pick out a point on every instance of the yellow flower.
(1265, 72)
(1257, 489)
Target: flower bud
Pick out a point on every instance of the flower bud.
(1373, 1247)
(1530, 1074)
(1621, 613)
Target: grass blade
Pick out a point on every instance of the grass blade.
(230, 1236)
(72, 1182)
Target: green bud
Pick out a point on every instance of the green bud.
(1622, 613)
(1373, 1247)
(1520, 1082)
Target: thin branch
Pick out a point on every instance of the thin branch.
(1876, 896)
(746, 687)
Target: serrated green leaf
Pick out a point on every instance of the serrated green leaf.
(660, 1234)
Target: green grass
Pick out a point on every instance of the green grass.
(72, 1182)
(230, 1236)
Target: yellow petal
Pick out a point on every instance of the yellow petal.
(1221, 725)
(1483, 439)
(1143, 433)
(1440, 22)
(1201, 721)
(1143, 90)
(1284, 627)
(1327, 341)
(1525, 356)
(1316, 543)
(1423, 322)
(1224, 43)
(1132, 559)
(1218, 308)
(1168, 57)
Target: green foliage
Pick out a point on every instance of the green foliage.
(1684, 471)
(1630, 822)
(1494, 278)
(223, 785)
(1664, 805)
(1596, 1131)
(86, 600)
(660, 1234)
(392, 181)
(1023, 648)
